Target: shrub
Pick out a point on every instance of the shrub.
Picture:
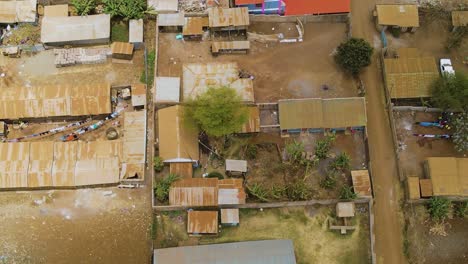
(295, 150)
(158, 164)
(127, 9)
(298, 191)
(461, 209)
(161, 188)
(83, 7)
(150, 59)
(251, 151)
(323, 146)
(329, 182)
(278, 192)
(347, 193)
(341, 163)
(215, 174)
(353, 55)
(460, 133)
(439, 208)
(258, 191)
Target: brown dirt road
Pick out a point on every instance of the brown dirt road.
(388, 224)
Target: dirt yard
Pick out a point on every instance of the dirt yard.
(294, 70)
(414, 150)
(425, 248)
(307, 227)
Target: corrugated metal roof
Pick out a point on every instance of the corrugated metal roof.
(413, 188)
(198, 77)
(449, 175)
(460, 18)
(167, 90)
(361, 183)
(236, 165)
(138, 94)
(177, 141)
(15, 11)
(135, 31)
(194, 192)
(194, 26)
(231, 191)
(228, 17)
(251, 252)
(398, 15)
(426, 187)
(56, 10)
(122, 48)
(134, 142)
(216, 46)
(75, 28)
(202, 222)
(182, 169)
(410, 77)
(164, 5)
(305, 7)
(322, 113)
(230, 216)
(171, 20)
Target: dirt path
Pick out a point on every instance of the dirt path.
(388, 227)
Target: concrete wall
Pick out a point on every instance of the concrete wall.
(339, 18)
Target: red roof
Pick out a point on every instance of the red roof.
(249, 2)
(303, 7)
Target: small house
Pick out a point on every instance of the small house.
(138, 96)
(202, 223)
(236, 167)
(194, 192)
(122, 50)
(230, 217)
(171, 22)
(135, 33)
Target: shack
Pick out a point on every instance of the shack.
(135, 33)
(18, 11)
(134, 146)
(202, 223)
(449, 175)
(231, 191)
(177, 141)
(226, 19)
(404, 17)
(410, 75)
(171, 22)
(194, 192)
(236, 167)
(230, 217)
(426, 188)
(242, 46)
(75, 30)
(122, 50)
(314, 115)
(182, 169)
(194, 27)
(167, 91)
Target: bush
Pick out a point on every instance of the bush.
(298, 191)
(258, 191)
(158, 164)
(329, 182)
(119, 32)
(127, 9)
(83, 7)
(323, 146)
(150, 59)
(278, 192)
(456, 37)
(461, 209)
(347, 193)
(450, 92)
(353, 55)
(251, 151)
(295, 150)
(341, 163)
(215, 174)
(439, 208)
(161, 188)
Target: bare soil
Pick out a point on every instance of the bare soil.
(313, 242)
(295, 70)
(414, 150)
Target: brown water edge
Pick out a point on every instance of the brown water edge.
(104, 225)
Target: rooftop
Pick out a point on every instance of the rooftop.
(361, 183)
(398, 15)
(167, 90)
(202, 222)
(449, 175)
(194, 192)
(15, 11)
(228, 17)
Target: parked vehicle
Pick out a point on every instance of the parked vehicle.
(446, 66)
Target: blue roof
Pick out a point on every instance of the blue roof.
(251, 252)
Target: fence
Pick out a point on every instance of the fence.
(339, 18)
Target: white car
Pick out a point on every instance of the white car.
(446, 66)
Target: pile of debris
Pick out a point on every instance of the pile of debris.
(192, 6)
(69, 57)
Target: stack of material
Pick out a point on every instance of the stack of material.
(69, 57)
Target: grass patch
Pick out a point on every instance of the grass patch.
(119, 32)
(150, 59)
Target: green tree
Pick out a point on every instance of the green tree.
(439, 208)
(353, 55)
(127, 9)
(218, 111)
(83, 7)
(451, 92)
(460, 133)
(158, 164)
(162, 186)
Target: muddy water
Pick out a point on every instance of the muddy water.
(105, 225)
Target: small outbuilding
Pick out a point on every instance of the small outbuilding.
(122, 50)
(135, 32)
(236, 167)
(138, 95)
(345, 209)
(202, 223)
(167, 90)
(225, 19)
(194, 27)
(405, 17)
(182, 169)
(230, 217)
(238, 46)
(171, 22)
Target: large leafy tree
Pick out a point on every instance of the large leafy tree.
(451, 92)
(219, 111)
(353, 55)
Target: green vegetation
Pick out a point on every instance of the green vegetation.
(119, 32)
(25, 34)
(329, 181)
(298, 191)
(460, 133)
(251, 151)
(353, 55)
(461, 209)
(126, 9)
(161, 188)
(456, 37)
(215, 174)
(341, 163)
(439, 208)
(395, 32)
(150, 59)
(323, 146)
(158, 164)
(84, 7)
(295, 150)
(219, 111)
(258, 191)
(347, 193)
(451, 92)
